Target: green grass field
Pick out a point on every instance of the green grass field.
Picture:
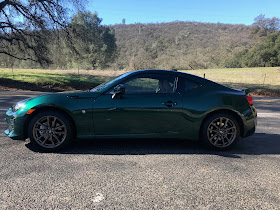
(265, 81)
(52, 80)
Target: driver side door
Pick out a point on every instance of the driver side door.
(142, 110)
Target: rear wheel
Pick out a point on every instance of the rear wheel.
(220, 131)
(50, 131)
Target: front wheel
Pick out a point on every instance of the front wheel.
(50, 131)
(220, 131)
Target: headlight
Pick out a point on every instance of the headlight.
(19, 105)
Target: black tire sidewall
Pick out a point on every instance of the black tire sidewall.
(206, 124)
(59, 115)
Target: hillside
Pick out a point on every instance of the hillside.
(174, 45)
(180, 45)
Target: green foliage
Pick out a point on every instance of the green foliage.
(236, 61)
(266, 53)
(85, 45)
(94, 44)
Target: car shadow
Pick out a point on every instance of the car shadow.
(258, 144)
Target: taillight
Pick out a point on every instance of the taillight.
(250, 100)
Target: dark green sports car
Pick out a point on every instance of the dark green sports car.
(142, 104)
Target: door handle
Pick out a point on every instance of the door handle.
(170, 103)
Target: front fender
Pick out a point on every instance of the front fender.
(79, 109)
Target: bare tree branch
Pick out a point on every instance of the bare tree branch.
(25, 26)
(13, 56)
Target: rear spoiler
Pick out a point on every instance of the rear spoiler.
(247, 91)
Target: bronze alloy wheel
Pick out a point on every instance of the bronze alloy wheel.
(222, 132)
(49, 131)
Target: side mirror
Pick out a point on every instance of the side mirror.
(118, 91)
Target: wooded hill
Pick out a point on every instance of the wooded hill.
(179, 45)
(87, 44)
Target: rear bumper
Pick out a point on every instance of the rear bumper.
(250, 123)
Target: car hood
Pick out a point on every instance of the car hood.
(53, 98)
(71, 94)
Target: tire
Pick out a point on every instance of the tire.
(220, 131)
(50, 131)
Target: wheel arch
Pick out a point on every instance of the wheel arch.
(48, 108)
(226, 111)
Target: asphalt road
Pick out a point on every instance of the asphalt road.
(144, 174)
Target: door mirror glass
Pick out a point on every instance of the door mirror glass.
(118, 91)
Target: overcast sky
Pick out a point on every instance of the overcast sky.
(213, 11)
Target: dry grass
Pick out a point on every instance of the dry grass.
(102, 73)
(264, 80)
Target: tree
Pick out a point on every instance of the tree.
(264, 53)
(94, 45)
(25, 24)
(263, 26)
(236, 60)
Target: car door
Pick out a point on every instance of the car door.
(193, 103)
(145, 108)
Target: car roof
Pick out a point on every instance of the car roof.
(171, 72)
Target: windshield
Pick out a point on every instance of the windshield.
(103, 86)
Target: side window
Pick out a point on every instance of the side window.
(151, 83)
(185, 85)
(141, 85)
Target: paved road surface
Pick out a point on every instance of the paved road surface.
(142, 174)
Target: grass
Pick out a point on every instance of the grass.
(52, 80)
(265, 81)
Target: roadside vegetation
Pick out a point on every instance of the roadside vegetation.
(265, 81)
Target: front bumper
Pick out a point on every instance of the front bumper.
(15, 124)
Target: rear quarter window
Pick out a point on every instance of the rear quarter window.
(186, 85)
